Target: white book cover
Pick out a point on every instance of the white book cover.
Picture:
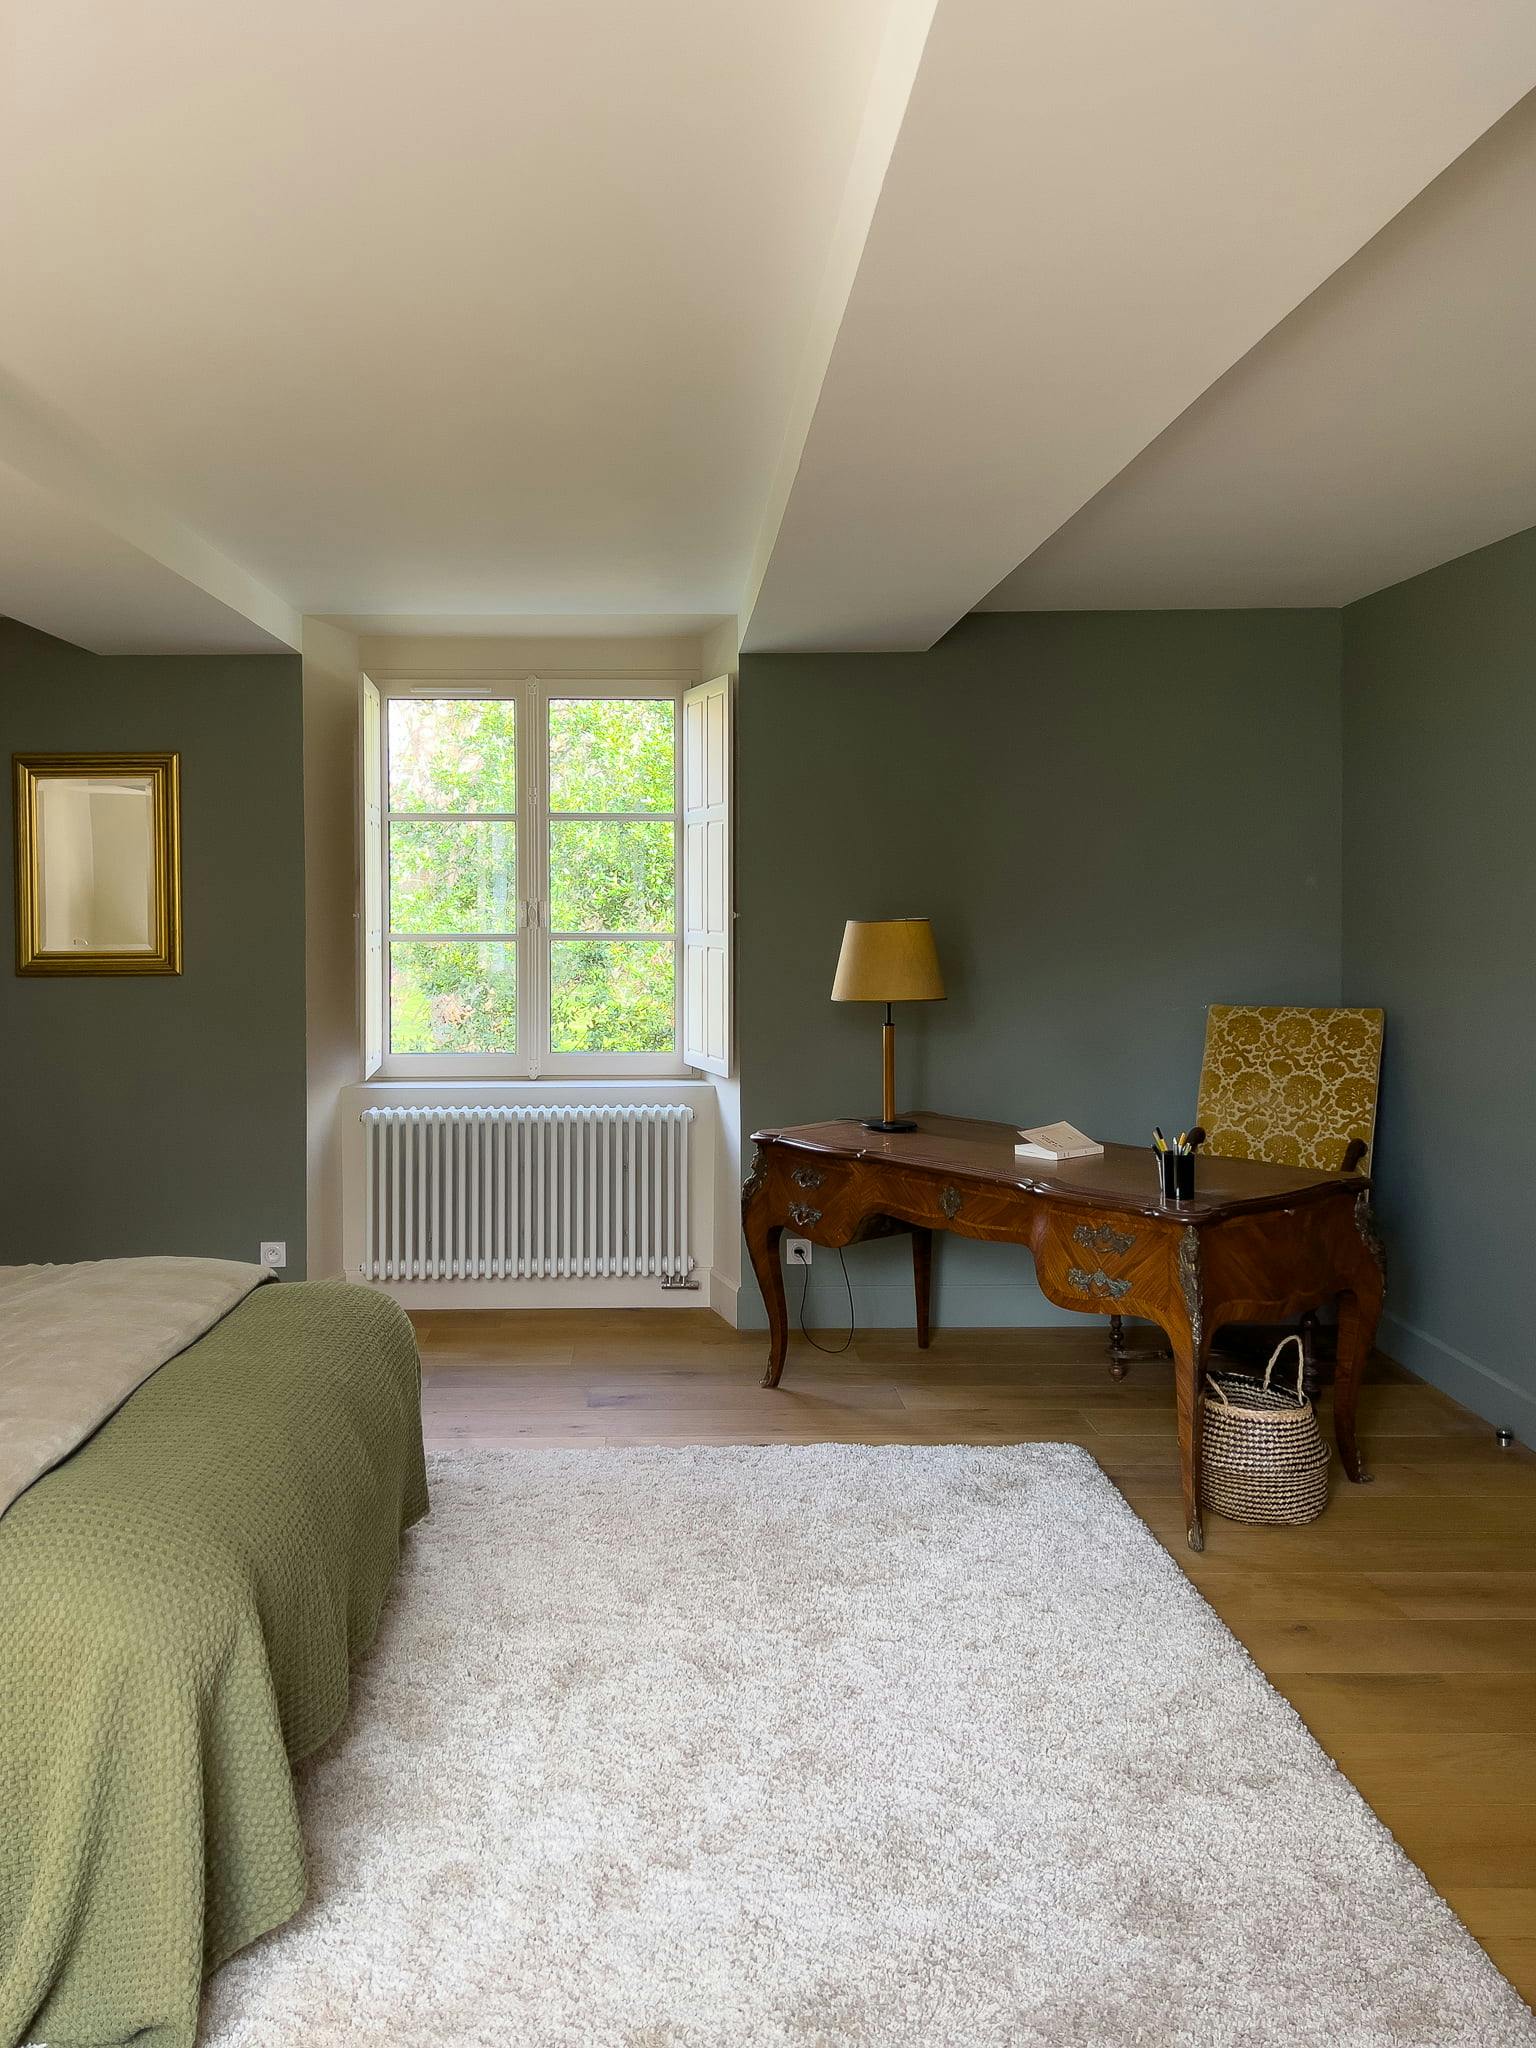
(1056, 1141)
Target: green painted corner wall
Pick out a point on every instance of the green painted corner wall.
(166, 1114)
(1112, 818)
(1439, 920)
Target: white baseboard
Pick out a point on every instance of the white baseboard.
(725, 1298)
(1478, 1387)
(888, 1305)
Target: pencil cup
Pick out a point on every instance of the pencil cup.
(1177, 1172)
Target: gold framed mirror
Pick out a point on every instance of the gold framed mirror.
(98, 863)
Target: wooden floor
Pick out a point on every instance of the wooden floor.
(1402, 1625)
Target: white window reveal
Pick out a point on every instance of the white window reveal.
(707, 876)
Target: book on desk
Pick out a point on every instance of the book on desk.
(1056, 1142)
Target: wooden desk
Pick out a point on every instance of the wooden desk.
(1257, 1244)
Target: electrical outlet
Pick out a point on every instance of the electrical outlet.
(798, 1250)
(274, 1254)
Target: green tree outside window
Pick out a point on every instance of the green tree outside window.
(454, 877)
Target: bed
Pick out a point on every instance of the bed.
(180, 1601)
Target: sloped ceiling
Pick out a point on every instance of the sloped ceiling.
(1388, 424)
(1091, 213)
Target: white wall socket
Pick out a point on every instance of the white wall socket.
(274, 1254)
(798, 1250)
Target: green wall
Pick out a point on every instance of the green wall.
(1440, 928)
(1112, 818)
(166, 1114)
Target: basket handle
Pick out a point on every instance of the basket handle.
(1301, 1363)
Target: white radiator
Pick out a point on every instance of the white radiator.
(534, 1193)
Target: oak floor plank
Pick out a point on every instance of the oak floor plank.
(1503, 1911)
(1340, 1703)
(1517, 1959)
(1382, 1645)
(1444, 1596)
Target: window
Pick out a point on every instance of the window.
(612, 895)
(529, 879)
(451, 856)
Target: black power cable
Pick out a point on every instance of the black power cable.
(832, 1350)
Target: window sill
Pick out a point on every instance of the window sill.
(570, 1067)
(399, 1076)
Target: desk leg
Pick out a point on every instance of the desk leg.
(1188, 1371)
(1356, 1335)
(922, 1280)
(1190, 1339)
(763, 1249)
(1359, 1313)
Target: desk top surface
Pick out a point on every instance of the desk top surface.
(1121, 1177)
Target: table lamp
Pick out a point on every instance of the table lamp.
(888, 960)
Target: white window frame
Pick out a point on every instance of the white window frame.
(532, 695)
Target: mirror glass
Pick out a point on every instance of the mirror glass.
(96, 863)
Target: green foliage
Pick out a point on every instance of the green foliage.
(611, 754)
(452, 998)
(458, 755)
(611, 995)
(452, 754)
(610, 875)
(452, 878)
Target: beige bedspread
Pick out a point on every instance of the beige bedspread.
(75, 1341)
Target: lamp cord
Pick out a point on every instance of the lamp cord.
(832, 1350)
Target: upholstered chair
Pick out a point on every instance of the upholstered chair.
(1293, 1086)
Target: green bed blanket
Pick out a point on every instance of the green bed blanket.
(180, 1602)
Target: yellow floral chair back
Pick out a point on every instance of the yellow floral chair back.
(1295, 1087)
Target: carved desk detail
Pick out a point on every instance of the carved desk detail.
(1255, 1243)
(1102, 1237)
(1189, 1283)
(1370, 1237)
(1098, 1282)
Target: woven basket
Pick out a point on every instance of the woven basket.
(1265, 1459)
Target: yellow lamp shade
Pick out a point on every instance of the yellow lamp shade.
(888, 960)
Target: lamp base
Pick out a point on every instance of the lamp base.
(875, 1123)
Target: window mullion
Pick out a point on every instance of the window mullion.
(533, 877)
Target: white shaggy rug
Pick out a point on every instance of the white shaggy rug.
(687, 1748)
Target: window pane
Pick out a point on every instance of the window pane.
(611, 875)
(611, 753)
(452, 878)
(611, 995)
(452, 998)
(452, 754)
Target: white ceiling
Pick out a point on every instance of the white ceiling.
(1387, 425)
(487, 306)
(508, 316)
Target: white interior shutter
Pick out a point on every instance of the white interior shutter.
(370, 759)
(707, 876)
